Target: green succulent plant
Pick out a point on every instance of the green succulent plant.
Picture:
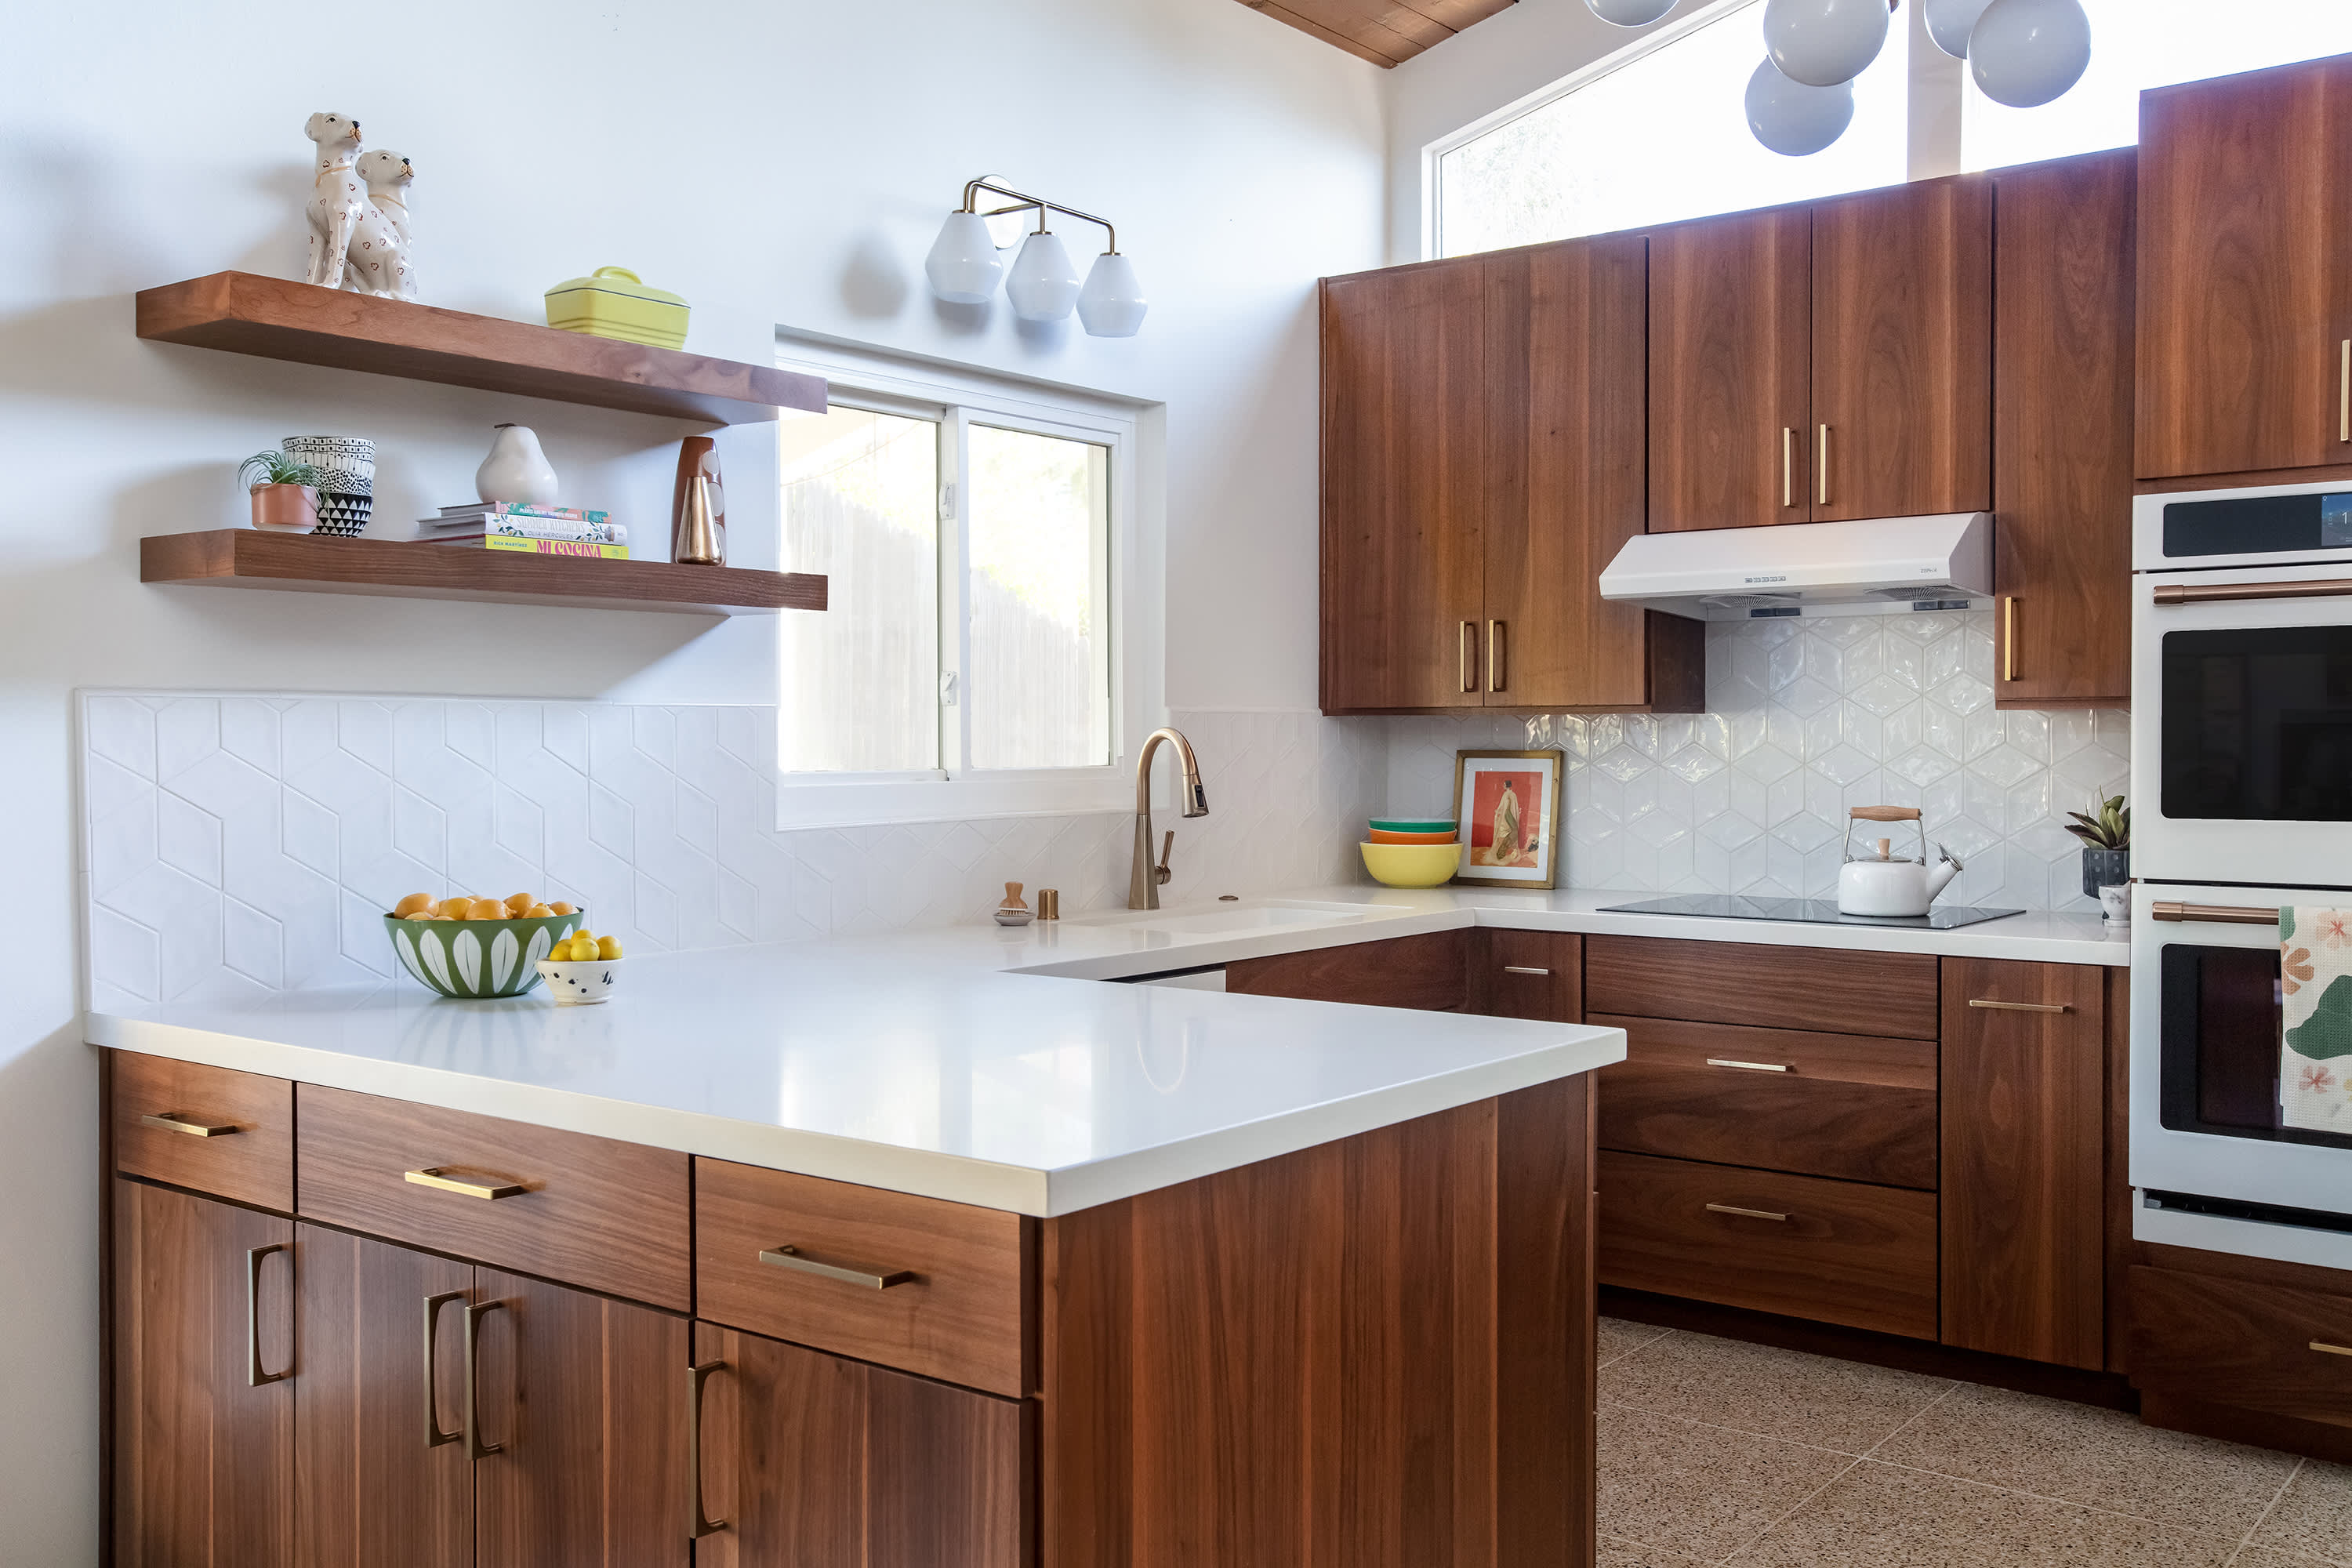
(276, 468)
(2108, 828)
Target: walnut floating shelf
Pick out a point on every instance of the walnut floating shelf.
(245, 313)
(309, 563)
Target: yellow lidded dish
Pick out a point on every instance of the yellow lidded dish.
(614, 303)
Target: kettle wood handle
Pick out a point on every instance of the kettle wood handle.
(1887, 813)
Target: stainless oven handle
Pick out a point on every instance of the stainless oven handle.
(2220, 593)
(2215, 914)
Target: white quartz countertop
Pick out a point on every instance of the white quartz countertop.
(987, 1066)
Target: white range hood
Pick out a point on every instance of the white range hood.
(1883, 565)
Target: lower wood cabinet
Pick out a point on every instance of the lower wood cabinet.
(1428, 972)
(2256, 1344)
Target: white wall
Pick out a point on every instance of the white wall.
(782, 161)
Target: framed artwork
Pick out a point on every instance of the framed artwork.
(1509, 805)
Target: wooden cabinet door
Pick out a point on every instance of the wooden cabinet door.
(204, 1466)
(1902, 363)
(1423, 442)
(2063, 431)
(1551, 641)
(821, 1462)
(372, 1493)
(586, 1398)
(1429, 974)
(2242, 252)
(1730, 371)
(2024, 1114)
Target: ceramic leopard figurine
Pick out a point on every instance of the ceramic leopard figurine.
(380, 260)
(338, 198)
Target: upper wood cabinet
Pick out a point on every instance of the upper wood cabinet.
(1483, 460)
(2245, 272)
(2062, 432)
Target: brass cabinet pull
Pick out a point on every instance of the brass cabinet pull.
(1748, 1066)
(1523, 969)
(2021, 1007)
(1466, 645)
(178, 1122)
(2324, 1348)
(2008, 639)
(474, 1447)
(434, 1436)
(254, 1377)
(1787, 465)
(1495, 643)
(2215, 914)
(1824, 477)
(1744, 1214)
(695, 1377)
(790, 1257)
(2223, 593)
(2344, 391)
(437, 1178)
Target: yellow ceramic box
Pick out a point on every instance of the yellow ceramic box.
(614, 304)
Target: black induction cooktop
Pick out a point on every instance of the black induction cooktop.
(1813, 911)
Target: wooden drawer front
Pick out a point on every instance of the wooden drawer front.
(2231, 1342)
(249, 1155)
(1771, 987)
(1846, 1253)
(959, 1316)
(1847, 1105)
(1528, 974)
(1429, 972)
(604, 1216)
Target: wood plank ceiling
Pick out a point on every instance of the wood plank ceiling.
(1377, 30)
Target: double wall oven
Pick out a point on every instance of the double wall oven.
(2241, 768)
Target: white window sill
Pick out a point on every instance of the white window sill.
(869, 801)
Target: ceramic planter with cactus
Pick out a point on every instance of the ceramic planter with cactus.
(474, 959)
(2106, 844)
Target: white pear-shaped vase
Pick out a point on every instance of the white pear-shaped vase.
(516, 470)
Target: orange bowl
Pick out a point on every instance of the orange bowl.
(1384, 836)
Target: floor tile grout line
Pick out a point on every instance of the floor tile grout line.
(2061, 1501)
(1731, 1431)
(1949, 1389)
(2254, 1529)
(1786, 1514)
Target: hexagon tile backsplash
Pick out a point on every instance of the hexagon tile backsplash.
(241, 844)
(1805, 719)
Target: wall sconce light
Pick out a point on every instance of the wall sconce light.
(964, 266)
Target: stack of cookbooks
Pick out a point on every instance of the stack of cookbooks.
(534, 530)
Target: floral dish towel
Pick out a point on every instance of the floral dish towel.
(2315, 983)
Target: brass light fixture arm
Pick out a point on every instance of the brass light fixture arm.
(1021, 201)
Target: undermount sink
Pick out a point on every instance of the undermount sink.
(1247, 915)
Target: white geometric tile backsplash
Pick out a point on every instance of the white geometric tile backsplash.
(237, 844)
(1806, 718)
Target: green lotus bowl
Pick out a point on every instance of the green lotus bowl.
(473, 959)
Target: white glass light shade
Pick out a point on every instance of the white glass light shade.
(1112, 304)
(1631, 12)
(963, 265)
(1793, 119)
(2023, 53)
(1043, 284)
(1949, 22)
(1821, 42)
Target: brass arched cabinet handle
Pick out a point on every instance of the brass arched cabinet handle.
(254, 1377)
(180, 1121)
(434, 1436)
(474, 1447)
(789, 1257)
(696, 1377)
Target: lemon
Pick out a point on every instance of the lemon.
(608, 947)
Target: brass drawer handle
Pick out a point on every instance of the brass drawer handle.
(434, 1436)
(695, 1377)
(254, 1377)
(1467, 648)
(1746, 1214)
(2344, 391)
(2008, 639)
(790, 1257)
(1523, 969)
(178, 1122)
(1787, 465)
(2215, 914)
(474, 1447)
(2021, 1006)
(1496, 631)
(439, 1180)
(1824, 477)
(2324, 1348)
(1749, 1067)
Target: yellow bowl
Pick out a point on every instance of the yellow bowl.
(1412, 865)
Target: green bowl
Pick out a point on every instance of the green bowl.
(469, 959)
(1414, 824)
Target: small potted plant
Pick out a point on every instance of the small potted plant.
(284, 491)
(2106, 844)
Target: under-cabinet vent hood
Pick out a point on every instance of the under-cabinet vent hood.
(1884, 565)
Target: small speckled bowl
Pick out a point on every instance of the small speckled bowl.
(575, 982)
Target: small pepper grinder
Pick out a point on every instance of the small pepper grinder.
(1012, 912)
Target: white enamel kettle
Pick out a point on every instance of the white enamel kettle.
(1879, 884)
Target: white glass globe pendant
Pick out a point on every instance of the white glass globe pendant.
(1630, 13)
(1949, 22)
(1043, 284)
(963, 265)
(1793, 119)
(1112, 304)
(1821, 42)
(2024, 53)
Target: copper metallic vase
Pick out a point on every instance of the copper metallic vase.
(698, 535)
(698, 505)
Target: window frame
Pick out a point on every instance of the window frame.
(958, 398)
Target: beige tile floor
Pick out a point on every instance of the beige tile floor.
(1713, 1451)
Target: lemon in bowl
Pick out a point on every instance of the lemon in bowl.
(1412, 865)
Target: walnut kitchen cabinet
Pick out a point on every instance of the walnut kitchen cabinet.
(2245, 272)
(1483, 459)
(2063, 431)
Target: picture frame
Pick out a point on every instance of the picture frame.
(1515, 794)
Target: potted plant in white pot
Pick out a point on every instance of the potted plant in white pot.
(2106, 844)
(284, 491)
